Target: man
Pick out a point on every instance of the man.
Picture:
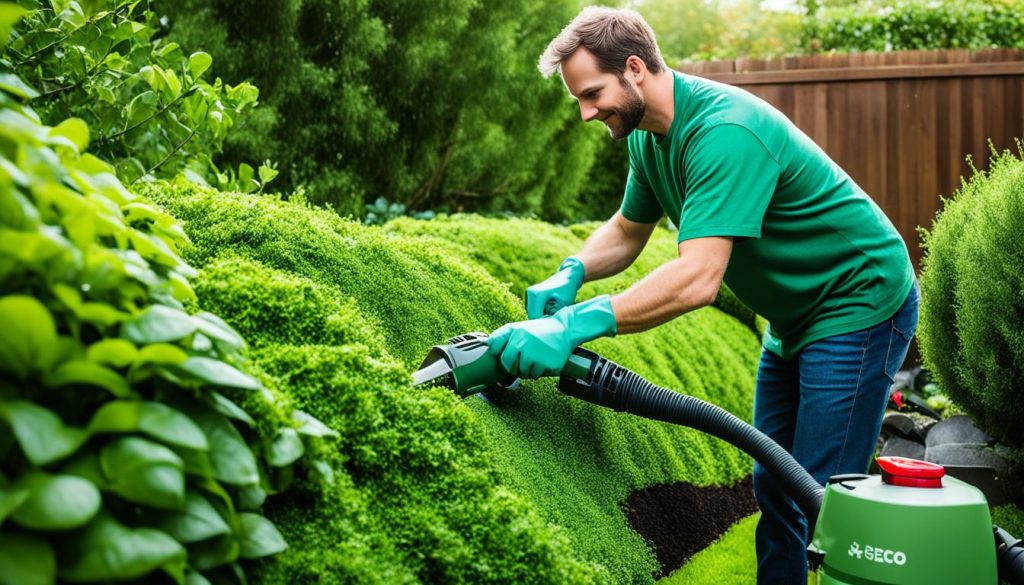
(759, 206)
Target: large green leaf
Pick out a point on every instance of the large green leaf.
(233, 462)
(55, 502)
(199, 521)
(11, 83)
(311, 426)
(152, 418)
(258, 537)
(106, 550)
(144, 472)
(229, 409)
(27, 336)
(217, 373)
(43, 436)
(286, 448)
(213, 552)
(10, 499)
(74, 130)
(161, 354)
(115, 352)
(26, 559)
(215, 328)
(199, 62)
(158, 324)
(89, 373)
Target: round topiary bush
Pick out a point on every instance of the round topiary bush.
(972, 315)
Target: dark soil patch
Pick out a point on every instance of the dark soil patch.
(681, 519)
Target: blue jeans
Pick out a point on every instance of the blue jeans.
(824, 406)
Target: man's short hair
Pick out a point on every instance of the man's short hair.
(612, 35)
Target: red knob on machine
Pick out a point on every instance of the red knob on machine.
(906, 472)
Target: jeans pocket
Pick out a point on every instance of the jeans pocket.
(899, 343)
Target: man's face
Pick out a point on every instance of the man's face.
(603, 96)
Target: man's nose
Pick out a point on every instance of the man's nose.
(587, 112)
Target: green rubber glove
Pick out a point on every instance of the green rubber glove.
(558, 291)
(541, 347)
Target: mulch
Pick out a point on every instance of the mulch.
(681, 519)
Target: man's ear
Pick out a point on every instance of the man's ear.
(636, 69)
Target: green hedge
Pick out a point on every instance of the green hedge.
(972, 322)
(916, 24)
(524, 252)
(526, 488)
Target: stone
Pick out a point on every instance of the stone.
(900, 447)
(988, 480)
(966, 454)
(956, 429)
(901, 425)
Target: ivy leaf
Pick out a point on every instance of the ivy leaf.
(9, 82)
(152, 418)
(163, 354)
(311, 426)
(26, 559)
(217, 373)
(55, 502)
(258, 537)
(85, 372)
(10, 499)
(43, 436)
(74, 130)
(27, 336)
(199, 521)
(144, 472)
(229, 409)
(215, 328)
(232, 460)
(286, 448)
(116, 352)
(158, 324)
(105, 550)
(198, 63)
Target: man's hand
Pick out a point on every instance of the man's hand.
(557, 291)
(541, 347)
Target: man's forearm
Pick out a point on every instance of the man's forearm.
(612, 248)
(676, 287)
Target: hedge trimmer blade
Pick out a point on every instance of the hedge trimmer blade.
(431, 372)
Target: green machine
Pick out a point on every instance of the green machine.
(911, 525)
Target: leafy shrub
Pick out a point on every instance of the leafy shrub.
(915, 24)
(123, 453)
(152, 112)
(972, 322)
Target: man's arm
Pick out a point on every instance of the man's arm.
(676, 287)
(614, 246)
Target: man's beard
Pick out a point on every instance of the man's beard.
(630, 113)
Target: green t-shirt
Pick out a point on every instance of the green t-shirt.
(812, 252)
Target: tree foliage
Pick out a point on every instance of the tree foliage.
(428, 105)
(151, 111)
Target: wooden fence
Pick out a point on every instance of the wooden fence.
(902, 123)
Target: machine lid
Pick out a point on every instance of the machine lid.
(907, 472)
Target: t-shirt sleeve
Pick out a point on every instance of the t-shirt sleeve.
(730, 179)
(639, 203)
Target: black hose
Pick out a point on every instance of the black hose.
(1010, 557)
(611, 385)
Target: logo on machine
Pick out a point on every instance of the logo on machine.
(877, 554)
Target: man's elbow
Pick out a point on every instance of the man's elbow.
(709, 293)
